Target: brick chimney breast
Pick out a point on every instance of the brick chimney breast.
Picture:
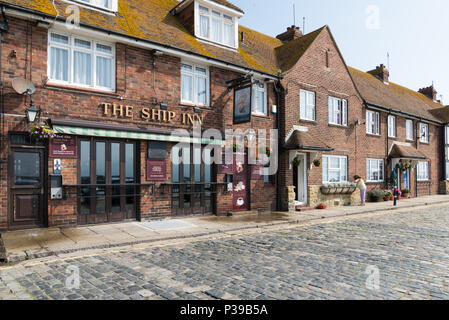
(292, 33)
(430, 92)
(382, 72)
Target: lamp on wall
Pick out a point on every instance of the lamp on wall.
(32, 112)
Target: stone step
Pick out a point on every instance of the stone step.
(302, 208)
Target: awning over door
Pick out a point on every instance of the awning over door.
(94, 129)
(303, 140)
(406, 152)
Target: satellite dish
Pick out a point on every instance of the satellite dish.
(23, 86)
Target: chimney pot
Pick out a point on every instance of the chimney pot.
(382, 72)
(430, 92)
(292, 33)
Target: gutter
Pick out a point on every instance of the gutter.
(157, 45)
(389, 110)
(310, 149)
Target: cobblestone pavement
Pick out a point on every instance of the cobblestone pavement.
(337, 260)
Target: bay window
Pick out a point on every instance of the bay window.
(335, 169)
(194, 84)
(338, 111)
(374, 170)
(307, 105)
(81, 62)
(424, 130)
(409, 129)
(259, 98)
(372, 122)
(423, 171)
(216, 26)
(391, 126)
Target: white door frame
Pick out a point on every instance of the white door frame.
(304, 182)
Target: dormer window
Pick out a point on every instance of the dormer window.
(109, 5)
(216, 23)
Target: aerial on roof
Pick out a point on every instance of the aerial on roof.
(393, 96)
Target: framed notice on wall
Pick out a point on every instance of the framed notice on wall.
(63, 146)
(242, 105)
(157, 150)
(156, 170)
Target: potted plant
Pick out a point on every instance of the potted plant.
(388, 196)
(405, 193)
(321, 206)
(41, 131)
(316, 163)
(376, 195)
(296, 161)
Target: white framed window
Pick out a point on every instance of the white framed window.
(423, 171)
(194, 84)
(375, 170)
(82, 62)
(392, 126)
(259, 98)
(447, 135)
(424, 130)
(409, 129)
(372, 122)
(338, 111)
(216, 26)
(110, 5)
(335, 169)
(307, 105)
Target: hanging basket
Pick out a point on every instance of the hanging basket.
(41, 132)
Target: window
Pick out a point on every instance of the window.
(392, 126)
(307, 105)
(409, 129)
(424, 129)
(216, 26)
(372, 122)
(447, 135)
(81, 62)
(335, 169)
(110, 5)
(338, 110)
(194, 84)
(423, 171)
(374, 170)
(260, 98)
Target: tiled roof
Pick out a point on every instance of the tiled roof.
(405, 152)
(394, 96)
(151, 20)
(305, 140)
(291, 52)
(228, 4)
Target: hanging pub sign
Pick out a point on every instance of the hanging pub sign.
(156, 170)
(63, 146)
(242, 105)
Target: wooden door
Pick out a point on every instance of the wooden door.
(27, 180)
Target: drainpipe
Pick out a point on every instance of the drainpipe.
(278, 88)
(4, 27)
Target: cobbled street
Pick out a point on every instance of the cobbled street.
(407, 252)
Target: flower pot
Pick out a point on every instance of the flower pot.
(405, 195)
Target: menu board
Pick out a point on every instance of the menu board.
(63, 146)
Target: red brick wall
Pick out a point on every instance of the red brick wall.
(142, 80)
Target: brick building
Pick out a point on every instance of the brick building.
(116, 80)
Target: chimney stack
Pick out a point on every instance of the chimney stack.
(381, 72)
(430, 92)
(292, 33)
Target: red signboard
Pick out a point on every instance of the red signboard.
(156, 170)
(241, 187)
(63, 146)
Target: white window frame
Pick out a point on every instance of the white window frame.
(392, 126)
(95, 4)
(373, 165)
(409, 130)
(337, 106)
(370, 117)
(305, 103)
(422, 171)
(92, 51)
(342, 159)
(447, 135)
(223, 11)
(195, 76)
(257, 89)
(424, 138)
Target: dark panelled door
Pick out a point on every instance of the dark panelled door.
(27, 192)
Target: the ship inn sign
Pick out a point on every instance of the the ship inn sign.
(150, 114)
